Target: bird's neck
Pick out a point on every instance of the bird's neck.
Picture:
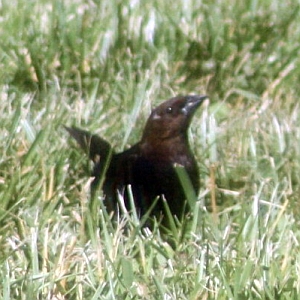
(166, 149)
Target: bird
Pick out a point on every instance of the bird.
(148, 167)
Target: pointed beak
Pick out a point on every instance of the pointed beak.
(192, 103)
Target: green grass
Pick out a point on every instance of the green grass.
(103, 66)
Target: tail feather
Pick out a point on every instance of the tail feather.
(96, 147)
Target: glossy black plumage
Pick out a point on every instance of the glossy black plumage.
(148, 166)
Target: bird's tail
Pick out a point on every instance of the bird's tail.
(96, 147)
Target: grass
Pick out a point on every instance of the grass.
(103, 66)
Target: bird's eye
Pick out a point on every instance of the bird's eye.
(169, 110)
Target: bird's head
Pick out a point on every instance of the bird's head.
(172, 118)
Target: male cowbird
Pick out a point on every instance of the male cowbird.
(148, 166)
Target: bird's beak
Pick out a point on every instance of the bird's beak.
(192, 103)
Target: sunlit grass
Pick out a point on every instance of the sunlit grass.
(103, 67)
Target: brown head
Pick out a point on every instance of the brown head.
(171, 118)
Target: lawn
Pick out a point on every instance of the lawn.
(102, 66)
